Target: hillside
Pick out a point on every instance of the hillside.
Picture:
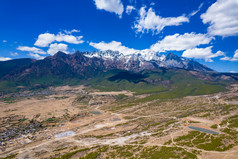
(110, 70)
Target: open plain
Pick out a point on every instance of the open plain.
(80, 122)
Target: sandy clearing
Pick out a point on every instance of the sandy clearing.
(45, 107)
(65, 134)
(206, 121)
(67, 88)
(113, 93)
(116, 141)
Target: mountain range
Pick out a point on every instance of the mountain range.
(84, 67)
(86, 63)
(144, 61)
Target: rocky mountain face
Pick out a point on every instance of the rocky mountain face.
(61, 64)
(86, 64)
(145, 61)
(12, 65)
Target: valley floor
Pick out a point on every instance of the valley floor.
(79, 122)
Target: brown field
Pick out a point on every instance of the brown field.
(82, 122)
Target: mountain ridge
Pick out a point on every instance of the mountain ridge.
(83, 64)
(84, 67)
(148, 60)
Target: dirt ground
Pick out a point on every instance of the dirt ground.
(70, 119)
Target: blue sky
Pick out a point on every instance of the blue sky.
(205, 30)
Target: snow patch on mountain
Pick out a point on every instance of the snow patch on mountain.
(145, 59)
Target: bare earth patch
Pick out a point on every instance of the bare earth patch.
(67, 121)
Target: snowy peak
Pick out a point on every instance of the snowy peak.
(172, 56)
(174, 61)
(108, 54)
(145, 59)
(150, 55)
(142, 55)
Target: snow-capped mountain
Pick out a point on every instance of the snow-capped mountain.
(144, 60)
(115, 55)
(86, 64)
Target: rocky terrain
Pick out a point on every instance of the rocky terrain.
(84, 64)
(80, 122)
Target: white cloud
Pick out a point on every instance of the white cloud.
(69, 38)
(179, 42)
(4, 41)
(234, 58)
(37, 56)
(225, 58)
(202, 53)
(71, 31)
(129, 9)
(45, 39)
(222, 16)
(114, 6)
(114, 46)
(13, 53)
(4, 58)
(174, 42)
(31, 49)
(54, 48)
(196, 11)
(148, 20)
(188, 42)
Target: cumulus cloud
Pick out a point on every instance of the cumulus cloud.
(36, 56)
(235, 57)
(4, 41)
(129, 9)
(69, 38)
(114, 6)
(31, 49)
(179, 42)
(114, 46)
(45, 39)
(174, 42)
(148, 20)
(4, 58)
(202, 53)
(54, 48)
(187, 42)
(222, 16)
